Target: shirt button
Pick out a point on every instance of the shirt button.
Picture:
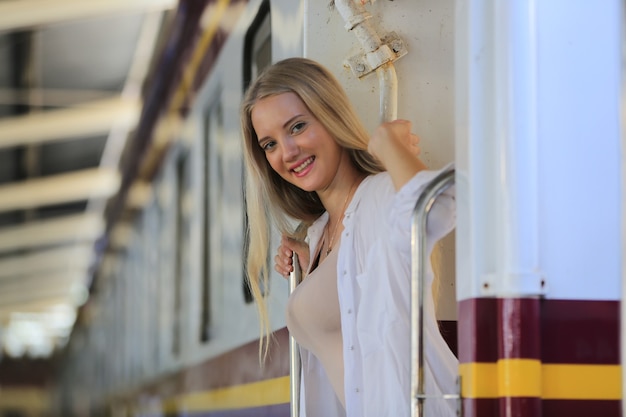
(349, 311)
(347, 234)
(345, 272)
(351, 347)
(356, 390)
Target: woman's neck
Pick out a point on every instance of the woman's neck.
(337, 199)
(340, 200)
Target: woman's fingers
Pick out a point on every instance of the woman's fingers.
(300, 248)
(414, 147)
(283, 261)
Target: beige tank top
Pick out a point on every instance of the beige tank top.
(313, 319)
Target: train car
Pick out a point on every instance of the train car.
(524, 97)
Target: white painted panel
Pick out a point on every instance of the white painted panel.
(580, 164)
(573, 55)
(425, 74)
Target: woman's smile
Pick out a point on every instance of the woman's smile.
(301, 168)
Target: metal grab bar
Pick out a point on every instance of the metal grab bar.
(419, 261)
(294, 354)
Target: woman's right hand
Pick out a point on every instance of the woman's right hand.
(283, 261)
(398, 150)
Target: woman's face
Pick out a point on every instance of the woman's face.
(295, 143)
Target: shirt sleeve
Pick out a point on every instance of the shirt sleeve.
(441, 219)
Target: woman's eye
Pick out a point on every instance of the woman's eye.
(297, 127)
(268, 146)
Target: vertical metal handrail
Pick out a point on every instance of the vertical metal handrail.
(419, 261)
(294, 354)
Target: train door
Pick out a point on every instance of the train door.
(421, 36)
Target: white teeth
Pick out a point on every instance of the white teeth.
(304, 165)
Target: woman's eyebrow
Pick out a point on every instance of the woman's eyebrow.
(287, 123)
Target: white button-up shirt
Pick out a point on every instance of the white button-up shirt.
(373, 282)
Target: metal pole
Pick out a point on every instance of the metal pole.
(419, 260)
(294, 355)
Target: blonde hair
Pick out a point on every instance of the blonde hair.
(269, 196)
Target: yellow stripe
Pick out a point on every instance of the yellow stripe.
(519, 378)
(30, 401)
(506, 378)
(479, 380)
(593, 382)
(530, 378)
(256, 394)
(200, 50)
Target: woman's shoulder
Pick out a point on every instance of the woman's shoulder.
(376, 191)
(378, 182)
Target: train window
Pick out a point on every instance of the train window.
(151, 218)
(213, 198)
(257, 55)
(257, 50)
(182, 234)
(165, 255)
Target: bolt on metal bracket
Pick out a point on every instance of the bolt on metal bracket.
(392, 48)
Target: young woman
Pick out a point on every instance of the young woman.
(309, 159)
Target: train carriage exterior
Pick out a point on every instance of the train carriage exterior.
(524, 97)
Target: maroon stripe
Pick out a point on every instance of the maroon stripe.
(518, 328)
(236, 367)
(478, 333)
(581, 408)
(480, 407)
(570, 331)
(506, 406)
(520, 406)
(580, 331)
(492, 407)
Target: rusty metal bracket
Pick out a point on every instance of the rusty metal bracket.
(392, 48)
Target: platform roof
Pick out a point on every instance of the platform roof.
(71, 75)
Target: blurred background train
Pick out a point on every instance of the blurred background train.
(122, 224)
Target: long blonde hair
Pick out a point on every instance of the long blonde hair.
(269, 196)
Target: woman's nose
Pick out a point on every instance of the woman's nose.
(290, 149)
